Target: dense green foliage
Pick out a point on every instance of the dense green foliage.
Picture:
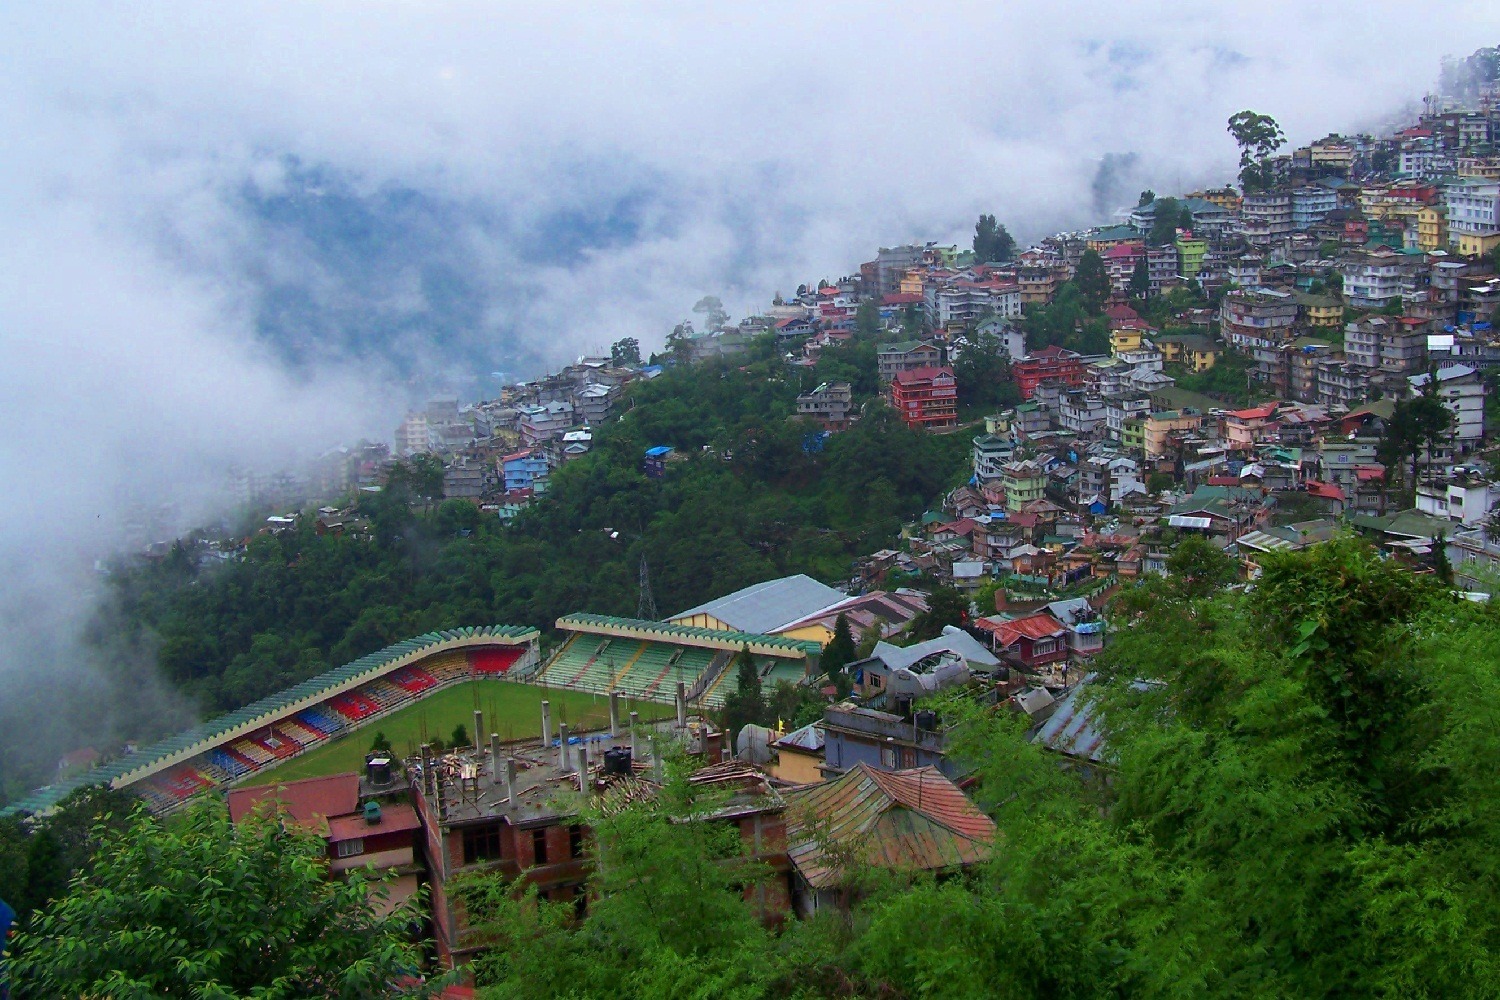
(1302, 801)
(993, 243)
(1067, 321)
(1228, 380)
(39, 856)
(748, 503)
(201, 907)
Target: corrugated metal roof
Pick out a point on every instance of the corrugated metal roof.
(915, 819)
(768, 606)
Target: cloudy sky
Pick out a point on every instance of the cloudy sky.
(225, 230)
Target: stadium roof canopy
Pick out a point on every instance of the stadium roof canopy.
(205, 733)
(768, 606)
(689, 635)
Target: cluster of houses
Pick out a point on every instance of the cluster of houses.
(499, 453)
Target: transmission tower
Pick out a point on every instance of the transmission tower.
(645, 609)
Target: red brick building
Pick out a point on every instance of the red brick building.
(926, 397)
(509, 810)
(1049, 363)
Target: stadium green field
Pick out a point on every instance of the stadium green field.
(510, 709)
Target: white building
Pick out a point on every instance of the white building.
(1472, 204)
(1462, 391)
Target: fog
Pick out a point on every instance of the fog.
(225, 233)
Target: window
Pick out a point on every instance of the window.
(575, 841)
(481, 843)
(888, 757)
(349, 848)
(539, 845)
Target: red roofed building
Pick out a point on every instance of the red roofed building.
(1029, 642)
(926, 397)
(1245, 428)
(381, 838)
(1048, 363)
(1120, 261)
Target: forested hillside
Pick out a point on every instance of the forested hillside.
(748, 502)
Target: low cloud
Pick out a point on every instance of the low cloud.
(225, 231)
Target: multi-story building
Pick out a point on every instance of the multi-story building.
(545, 421)
(991, 453)
(955, 306)
(1121, 407)
(1120, 261)
(1023, 481)
(1393, 346)
(1343, 384)
(595, 402)
(1462, 392)
(1080, 411)
(1038, 282)
(1161, 430)
(1432, 227)
(1257, 317)
(1161, 265)
(891, 265)
(1196, 351)
(497, 810)
(1190, 253)
(1266, 217)
(1055, 363)
(1311, 204)
(1319, 312)
(1473, 215)
(412, 436)
(524, 470)
(1372, 278)
(828, 404)
(926, 397)
(905, 356)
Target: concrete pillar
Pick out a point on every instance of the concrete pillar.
(495, 758)
(635, 725)
(510, 780)
(564, 764)
(681, 705)
(478, 730)
(614, 713)
(546, 723)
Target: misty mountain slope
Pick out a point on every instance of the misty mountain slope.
(408, 279)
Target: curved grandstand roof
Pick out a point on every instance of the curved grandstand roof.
(688, 634)
(206, 732)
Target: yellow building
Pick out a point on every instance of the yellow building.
(1477, 244)
(1195, 351)
(799, 755)
(1485, 168)
(1225, 197)
(1323, 311)
(1190, 254)
(912, 282)
(1123, 339)
(1432, 228)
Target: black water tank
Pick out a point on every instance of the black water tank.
(378, 769)
(927, 720)
(617, 760)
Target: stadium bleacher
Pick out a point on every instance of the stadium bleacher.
(324, 722)
(413, 680)
(496, 660)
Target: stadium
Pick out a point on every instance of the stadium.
(643, 660)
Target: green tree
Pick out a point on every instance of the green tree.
(746, 704)
(840, 649)
(1146, 198)
(945, 606)
(992, 243)
(459, 737)
(1092, 281)
(1140, 280)
(1198, 568)
(982, 370)
(625, 351)
(203, 907)
(867, 323)
(380, 744)
(1258, 137)
(1171, 215)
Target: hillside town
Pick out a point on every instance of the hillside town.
(1226, 374)
(1252, 373)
